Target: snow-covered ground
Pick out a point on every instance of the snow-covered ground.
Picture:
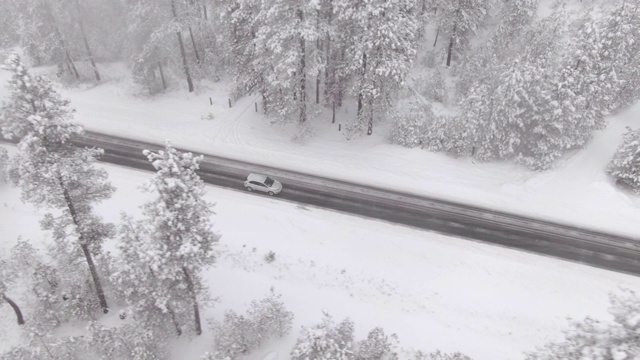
(576, 191)
(432, 290)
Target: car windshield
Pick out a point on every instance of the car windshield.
(268, 181)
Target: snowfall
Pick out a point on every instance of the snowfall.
(433, 291)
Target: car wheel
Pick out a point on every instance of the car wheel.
(271, 193)
(249, 189)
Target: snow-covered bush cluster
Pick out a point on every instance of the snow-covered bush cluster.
(594, 339)
(325, 340)
(238, 335)
(625, 165)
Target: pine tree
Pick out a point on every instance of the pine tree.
(51, 171)
(459, 20)
(379, 55)
(593, 339)
(625, 165)
(180, 225)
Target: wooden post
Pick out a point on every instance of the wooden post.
(210, 101)
(229, 103)
(339, 127)
(256, 106)
(333, 117)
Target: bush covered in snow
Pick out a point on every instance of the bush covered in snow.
(238, 334)
(593, 339)
(432, 86)
(325, 341)
(440, 356)
(625, 165)
(377, 346)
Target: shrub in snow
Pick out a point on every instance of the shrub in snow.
(377, 346)
(411, 124)
(593, 339)
(433, 86)
(270, 257)
(625, 165)
(238, 335)
(325, 341)
(440, 356)
(45, 346)
(270, 316)
(127, 342)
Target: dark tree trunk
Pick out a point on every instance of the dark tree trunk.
(360, 96)
(194, 299)
(73, 66)
(370, 123)
(303, 74)
(204, 11)
(16, 309)
(164, 84)
(86, 42)
(61, 41)
(329, 80)
(195, 48)
(451, 42)
(318, 49)
(341, 80)
(185, 64)
(437, 33)
(85, 249)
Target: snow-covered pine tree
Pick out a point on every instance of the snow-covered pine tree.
(51, 171)
(377, 346)
(380, 53)
(625, 165)
(152, 31)
(459, 20)
(593, 339)
(152, 301)
(325, 341)
(514, 18)
(287, 34)
(180, 225)
(270, 317)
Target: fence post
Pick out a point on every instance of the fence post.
(229, 102)
(210, 101)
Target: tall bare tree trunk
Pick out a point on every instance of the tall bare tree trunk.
(303, 74)
(451, 42)
(360, 96)
(195, 48)
(164, 84)
(16, 309)
(85, 247)
(194, 299)
(185, 64)
(86, 43)
(436, 40)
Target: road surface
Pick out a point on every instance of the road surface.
(585, 246)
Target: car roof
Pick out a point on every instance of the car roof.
(256, 177)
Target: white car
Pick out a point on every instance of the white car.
(262, 183)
